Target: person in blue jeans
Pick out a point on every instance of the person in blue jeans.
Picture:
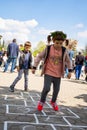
(24, 63)
(12, 53)
(85, 65)
(79, 61)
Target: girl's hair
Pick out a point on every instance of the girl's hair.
(57, 35)
(66, 42)
(49, 38)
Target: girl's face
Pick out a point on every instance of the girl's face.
(58, 43)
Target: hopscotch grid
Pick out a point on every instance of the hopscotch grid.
(78, 126)
(75, 116)
(31, 98)
(15, 122)
(37, 121)
(5, 125)
(72, 126)
(25, 103)
(67, 121)
(22, 94)
(49, 105)
(73, 113)
(44, 114)
(7, 109)
(24, 128)
(52, 125)
(6, 97)
(38, 95)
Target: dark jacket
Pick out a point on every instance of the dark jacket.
(79, 60)
(21, 58)
(12, 50)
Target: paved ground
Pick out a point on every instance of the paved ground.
(18, 110)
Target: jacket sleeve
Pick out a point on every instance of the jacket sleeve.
(38, 58)
(17, 63)
(30, 60)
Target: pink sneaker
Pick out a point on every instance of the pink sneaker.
(40, 106)
(54, 105)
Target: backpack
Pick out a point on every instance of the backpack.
(48, 50)
(47, 54)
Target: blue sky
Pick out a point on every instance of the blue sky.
(33, 20)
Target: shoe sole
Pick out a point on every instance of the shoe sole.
(11, 90)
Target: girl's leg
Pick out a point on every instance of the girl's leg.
(56, 88)
(46, 88)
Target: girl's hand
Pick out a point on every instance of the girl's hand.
(69, 75)
(33, 71)
(18, 68)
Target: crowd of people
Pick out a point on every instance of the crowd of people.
(56, 62)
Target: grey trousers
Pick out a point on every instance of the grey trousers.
(47, 84)
(26, 73)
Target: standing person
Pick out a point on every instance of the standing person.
(23, 65)
(4, 58)
(12, 53)
(85, 65)
(55, 56)
(71, 54)
(79, 60)
(1, 56)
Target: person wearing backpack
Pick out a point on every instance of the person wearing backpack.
(55, 57)
(79, 61)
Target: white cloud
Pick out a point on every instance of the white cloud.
(31, 23)
(80, 25)
(20, 30)
(82, 34)
(44, 31)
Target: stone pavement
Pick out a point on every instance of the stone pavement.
(18, 110)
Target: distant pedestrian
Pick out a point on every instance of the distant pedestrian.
(79, 61)
(1, 56)
(4, 58)
(12, 53)
(55, 56)
(23, 65)
(85, 65)
(71, 55)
